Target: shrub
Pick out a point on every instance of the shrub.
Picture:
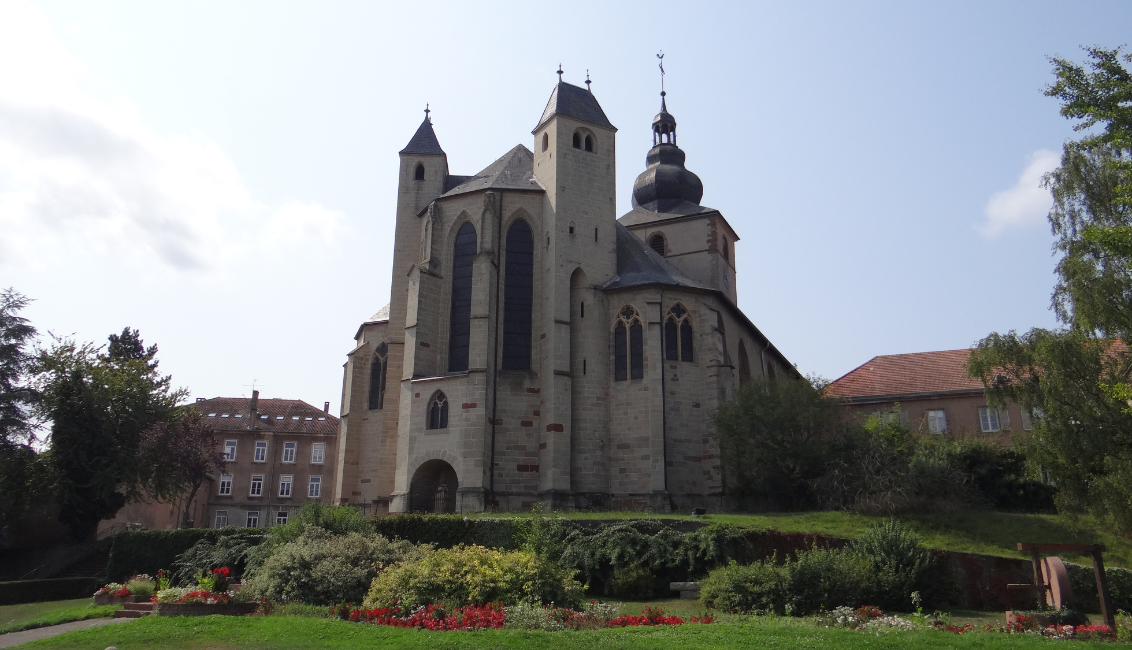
(1084, 583)
(633, 582)
(898, 565)
(337, 520)
(473, 575)
(821, 579)
(149, 551)
(319, 568)
(226, 551)
(141, 587)
(754, 588)
(34, 591)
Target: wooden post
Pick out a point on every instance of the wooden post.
(1039, 584)
(1102, 588)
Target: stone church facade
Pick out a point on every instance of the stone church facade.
(536, 347)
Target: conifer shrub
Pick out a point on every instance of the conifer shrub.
(898, 564)
(823, 578)
(753, 588)
(473, 575)
(321, 568)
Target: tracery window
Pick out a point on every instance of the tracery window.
(377, 370)
(438, 412)
(678, 339)
(628, 346)
(460, 325)
(518, 291)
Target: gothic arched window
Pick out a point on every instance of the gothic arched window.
(377, 370)
(460, 325)
(418, 174)
(678, 339)
(656, 242)
(744, 364)
(628, 346)
(518, 291)
(437, 412)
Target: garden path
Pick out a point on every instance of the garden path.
(24, 636)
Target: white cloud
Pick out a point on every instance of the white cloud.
(1026, 203)
(83, 176)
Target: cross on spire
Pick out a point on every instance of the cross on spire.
(588, 81)
(426, 112)
(559, 73)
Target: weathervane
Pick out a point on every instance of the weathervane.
(588, 80)
(661, 57)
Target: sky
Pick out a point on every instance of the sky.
(221, 176)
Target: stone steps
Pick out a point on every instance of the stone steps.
(135, 610)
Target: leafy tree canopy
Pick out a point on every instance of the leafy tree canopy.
(20, 475)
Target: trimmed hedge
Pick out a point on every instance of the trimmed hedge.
(1084, 583)
(149, 551)
(36, 591)
(447, 531)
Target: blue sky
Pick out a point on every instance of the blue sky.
(222, 175)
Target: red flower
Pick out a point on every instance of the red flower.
(222, 571)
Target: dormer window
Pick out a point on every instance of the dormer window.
(577, 141)
(657, 243)
(589, 143)
(418, 175)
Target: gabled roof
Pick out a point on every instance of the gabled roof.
(283, 416)
(908, 374)
(513, 171)
(424, 142)
(381, 315)
(638, 264)
(571, 101)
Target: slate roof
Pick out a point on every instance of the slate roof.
(381, 315)
(424, 142)
(283, 416)
(638, 264)
(661, 210)
(513, 171)
(571, 101)
(904, 374)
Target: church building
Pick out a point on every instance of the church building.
(539, 349)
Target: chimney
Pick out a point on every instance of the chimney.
(326, 407)
(253, 406)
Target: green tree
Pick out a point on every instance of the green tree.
(99, 406)
(1077, 379)
(775, 438)
(18, 398)
(179, 456)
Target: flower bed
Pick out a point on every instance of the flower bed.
(495, 616)
(135, 590)
(873, 619)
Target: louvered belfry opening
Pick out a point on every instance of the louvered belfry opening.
(518, 293)
(460, 326)
(657, 243)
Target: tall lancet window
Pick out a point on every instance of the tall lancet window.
(377, 378)
(518, 291)
(460, 326)
(678, 334)
(628, 346)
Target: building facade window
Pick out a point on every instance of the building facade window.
(256, 488)
(460, 323)
(314, 488)
(318, 453)
(744, 364)
(285, 483)
(438, 412)
(518, 296)
(678, 335)
(628, 346)
(260, 452)
(418, 173)
(225, 485)
(990, 419)
(577, 142)
(281, 518)
(289, 451)
(937, 421)
(377, 370)
(229, 450)
(589, 143)
(221, 519)
(253, 519)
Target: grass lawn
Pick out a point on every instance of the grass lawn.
(220, 632)
(31, 615)
(985, 532)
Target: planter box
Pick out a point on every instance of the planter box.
(203, 609)
(110, 599)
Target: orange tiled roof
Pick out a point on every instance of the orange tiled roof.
(903, 374)
(283, 415)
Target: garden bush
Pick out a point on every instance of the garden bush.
(320, 568)
(751, 588)
(336, 520)
(1084, 583)
(227, 550)
(821, 579)
(150, 551)
(446, 531)
(633, 582)
(474, 575)
(898, 565)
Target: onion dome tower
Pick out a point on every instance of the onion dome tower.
(666, 185)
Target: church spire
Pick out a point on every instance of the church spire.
(424, 142)
(665, 184)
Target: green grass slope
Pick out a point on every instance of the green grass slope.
(32, 615)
